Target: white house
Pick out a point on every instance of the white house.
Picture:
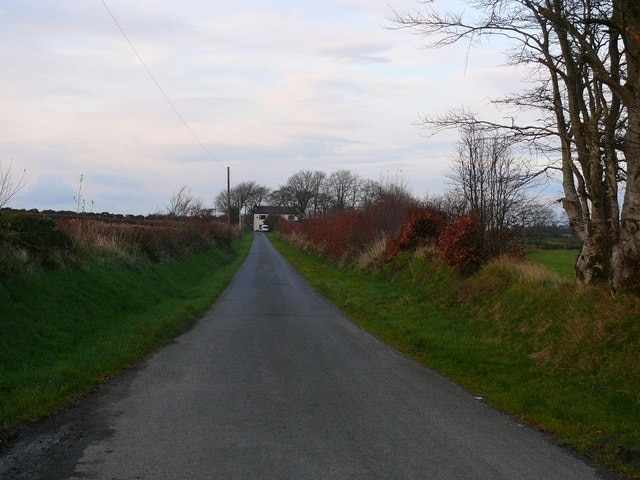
(261, 212)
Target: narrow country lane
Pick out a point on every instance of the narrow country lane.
(275, 383)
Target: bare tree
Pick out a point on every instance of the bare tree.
(369, 193)
(10, 186)
(244, 195)
(395, 188)
(302, 192)
(280, 197)
(491, 182)
(259, 194)
(342, 189)
(184, 204)
(534, 214)
(452, 204)
(586, 54)
(390, 189)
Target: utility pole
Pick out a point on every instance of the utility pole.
(229, 207)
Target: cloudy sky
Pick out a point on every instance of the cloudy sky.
(268, 87)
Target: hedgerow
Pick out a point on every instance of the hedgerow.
(29, 240)
(157, 239)
(342, 236)
(388, 229)
(38, 236)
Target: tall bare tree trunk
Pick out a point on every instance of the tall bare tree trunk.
(585, 200)
(626, 256)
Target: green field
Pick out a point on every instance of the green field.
(560, 261)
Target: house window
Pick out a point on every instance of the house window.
(262, 217)
(291, 218)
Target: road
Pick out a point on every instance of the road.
(275, 383)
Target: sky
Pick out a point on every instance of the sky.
(263, 87)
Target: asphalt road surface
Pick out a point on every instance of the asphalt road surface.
(275, 383)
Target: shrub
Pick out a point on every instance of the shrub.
(461, 244)
(339, 236)
(421, 227)
(36, 235)
(344, 235)
(28, 241)
(290, 228)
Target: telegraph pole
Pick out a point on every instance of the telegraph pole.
(229, 207)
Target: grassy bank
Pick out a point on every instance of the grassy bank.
(62, 332)
(532, 344)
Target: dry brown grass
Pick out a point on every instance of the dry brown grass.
(374, 254)
(544, 356)
(529, 272)
(156, 239)
(121, 239)
(298, 239)
(428, 252)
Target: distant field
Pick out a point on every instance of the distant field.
(561, 261)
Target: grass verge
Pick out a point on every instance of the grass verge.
(63, 332)
(557, 357)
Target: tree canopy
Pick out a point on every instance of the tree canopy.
(585, 58)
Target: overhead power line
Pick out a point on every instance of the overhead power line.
(153, 78)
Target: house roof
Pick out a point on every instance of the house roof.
(270, 210)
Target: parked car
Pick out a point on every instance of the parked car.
(264, 227)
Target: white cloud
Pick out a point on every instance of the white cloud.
(270, 87)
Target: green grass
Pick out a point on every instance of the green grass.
(560, 261)
(560, 358)
(63, 332)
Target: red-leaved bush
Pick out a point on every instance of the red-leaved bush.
(290, 228)
(461, 244)
(421, 227)
(343, 235)
(340, 235)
